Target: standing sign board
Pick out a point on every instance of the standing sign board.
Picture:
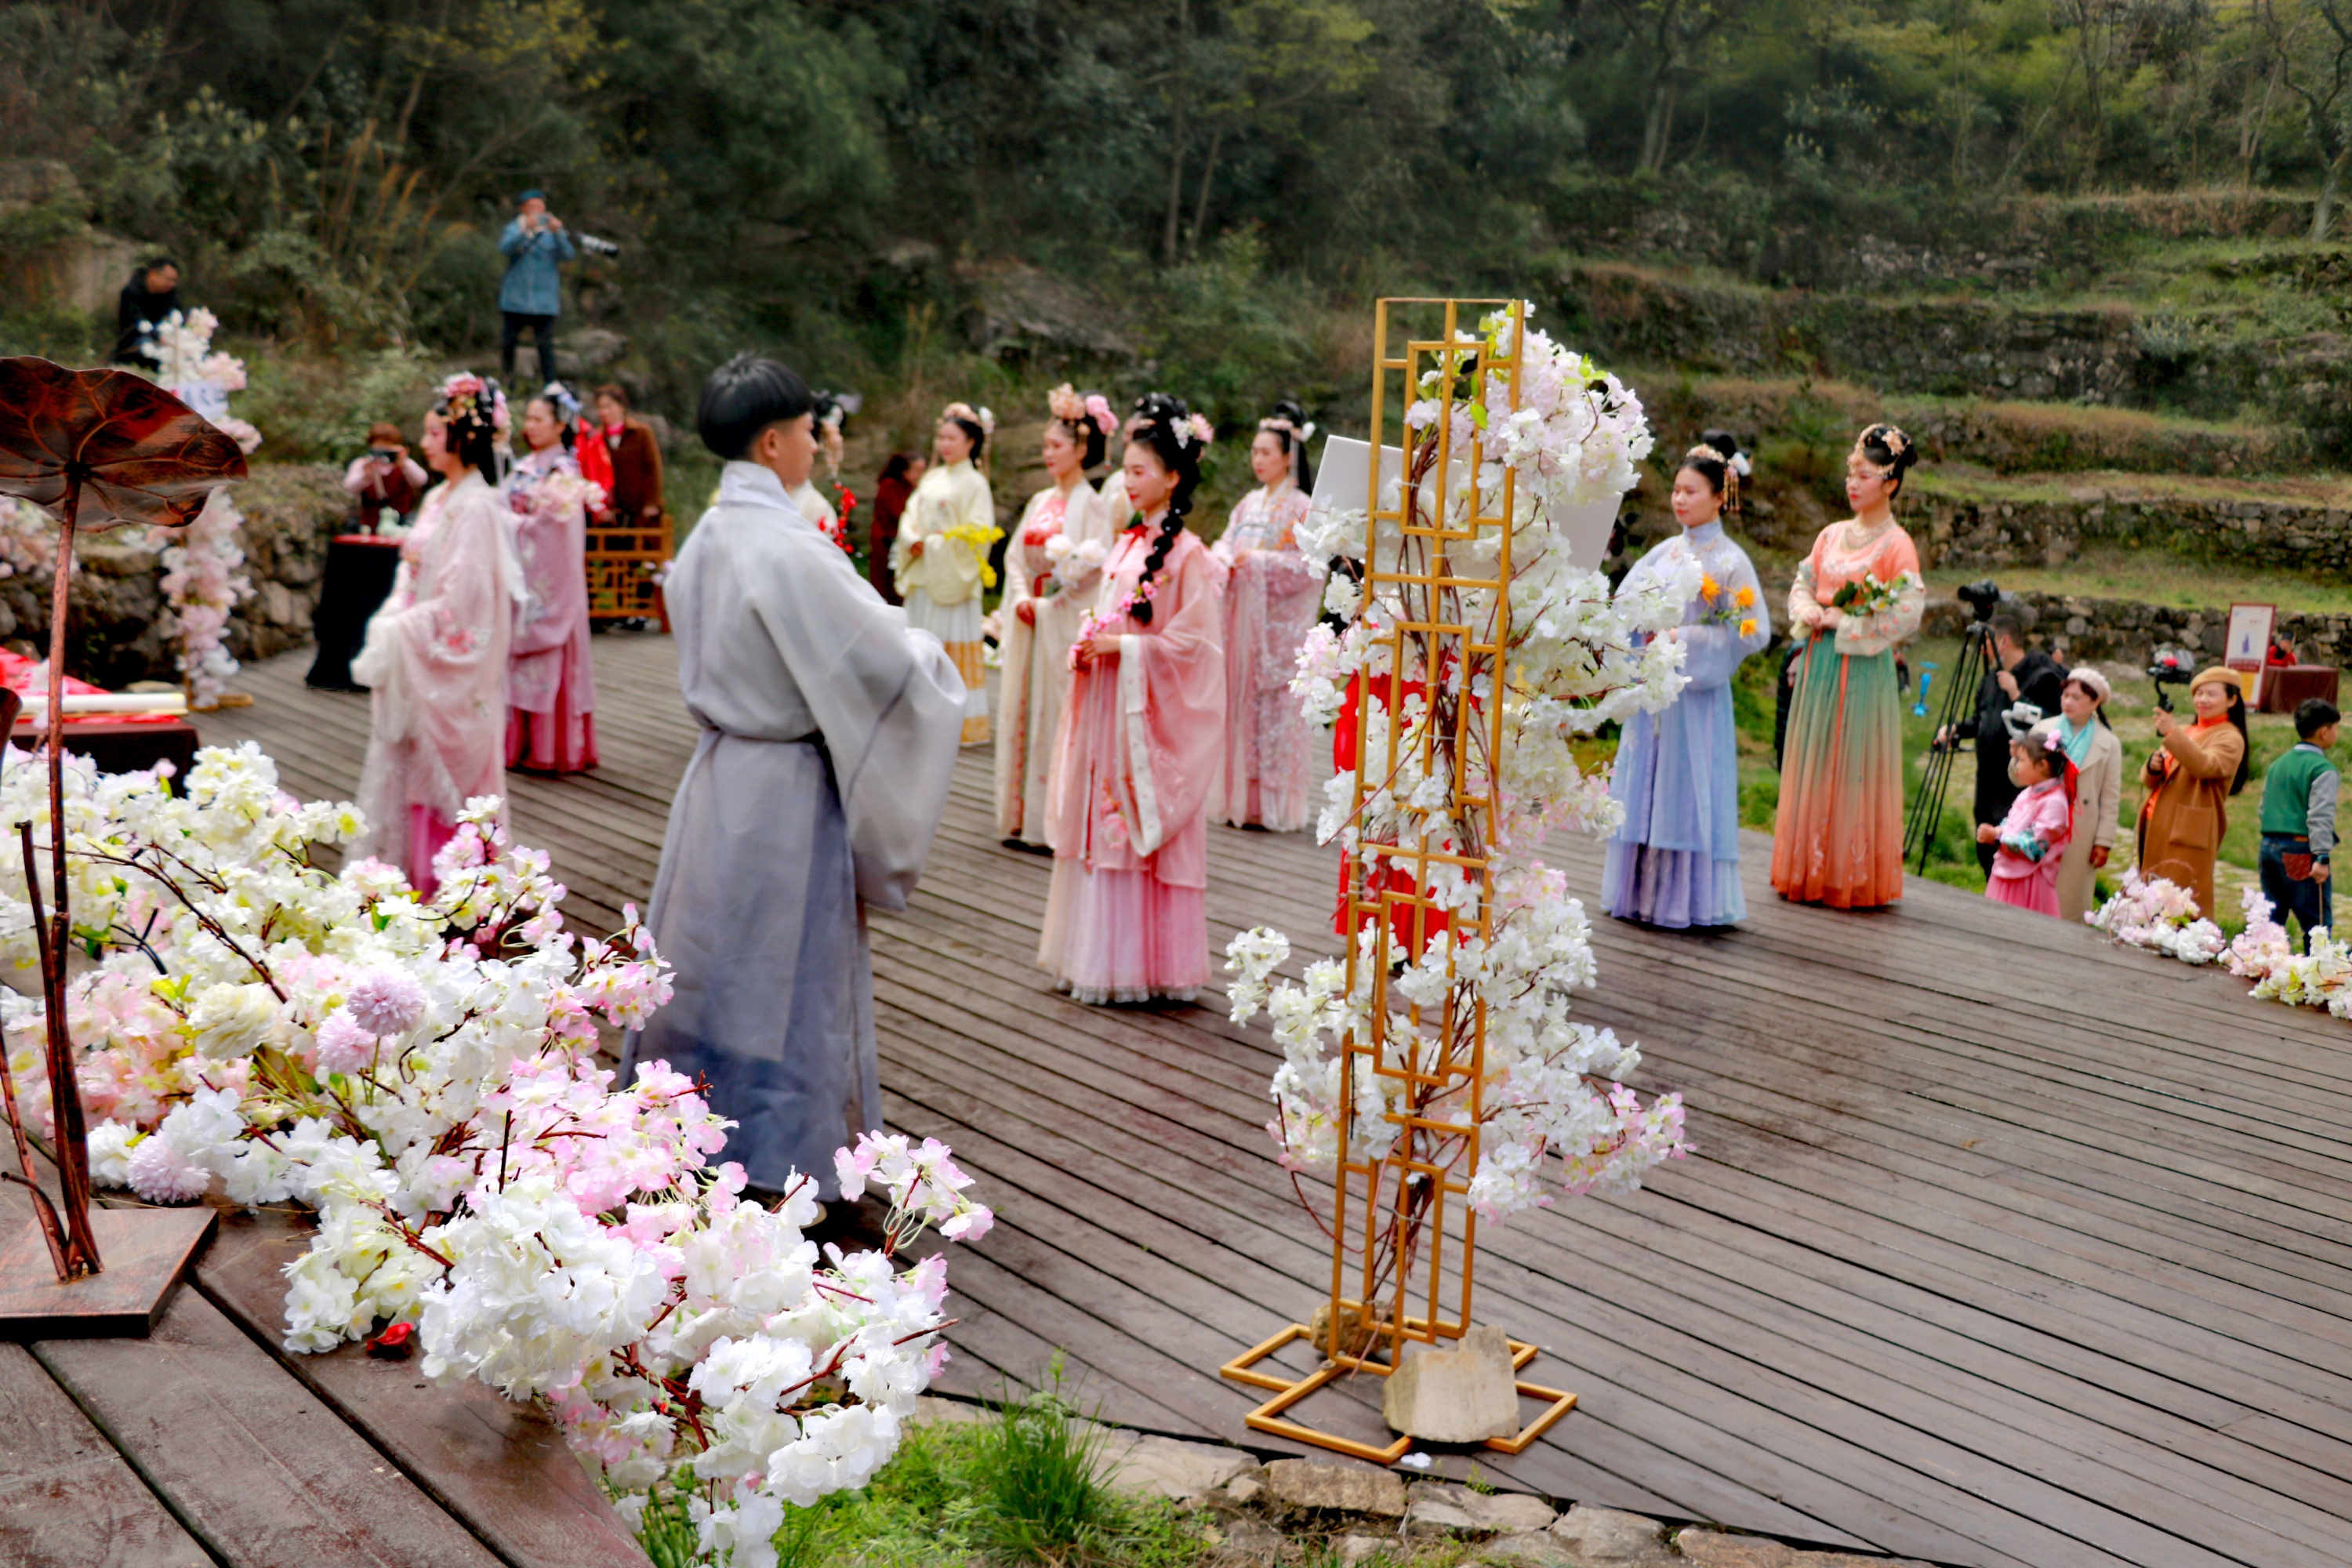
(2248, 646)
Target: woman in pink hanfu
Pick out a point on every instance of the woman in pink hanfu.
(2032, 838)
(551, 681)
(1140, 739)
(1270, 608)
(435, 657)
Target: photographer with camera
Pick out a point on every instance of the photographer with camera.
(2019, 674)
(536, 247)
(385, 478)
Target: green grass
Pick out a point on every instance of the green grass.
(1022, 1487)
(1952, 858)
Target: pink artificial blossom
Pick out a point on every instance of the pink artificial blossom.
(161, 1173)
(343, 1046)
(385, 1002)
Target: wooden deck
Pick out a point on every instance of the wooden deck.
(2001, 1246)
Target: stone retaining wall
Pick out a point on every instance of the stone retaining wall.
(1992, 532)
(1961, 346)
(290, 511)
(2076, 628)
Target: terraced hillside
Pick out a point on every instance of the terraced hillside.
(2143, 399)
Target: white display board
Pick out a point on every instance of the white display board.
(1345, 468)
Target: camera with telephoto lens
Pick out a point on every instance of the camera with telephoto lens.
(596, 247)
(384, 454)
(2170, 667)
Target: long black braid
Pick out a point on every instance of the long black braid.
(1158, 418)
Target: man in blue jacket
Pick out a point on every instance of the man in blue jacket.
(535, 245)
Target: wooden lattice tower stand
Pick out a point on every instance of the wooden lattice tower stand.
(1404, 1241)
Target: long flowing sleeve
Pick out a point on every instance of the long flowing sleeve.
(1086, 524)
(1017, 586)
(450, 645)
(1171, 699)
(886, 699)
(1714, 651)
(1804, 597)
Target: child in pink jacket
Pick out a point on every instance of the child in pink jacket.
(2041, 820)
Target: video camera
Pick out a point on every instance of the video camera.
(2170, 667)
(1981, 597)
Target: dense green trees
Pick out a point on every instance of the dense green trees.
(336, 169)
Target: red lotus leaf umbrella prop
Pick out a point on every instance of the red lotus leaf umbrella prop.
(96, 448)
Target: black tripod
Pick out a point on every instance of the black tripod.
(1926, 811)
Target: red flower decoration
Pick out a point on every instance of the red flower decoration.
(136, 453)
(394, 1344)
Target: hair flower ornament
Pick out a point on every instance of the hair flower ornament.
(470, 397)
(1196, 427)
(1065, 404)
(1098, 409)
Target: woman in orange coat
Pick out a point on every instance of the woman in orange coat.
(2195, 771)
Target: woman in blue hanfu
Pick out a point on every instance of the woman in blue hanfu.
(1675, 860)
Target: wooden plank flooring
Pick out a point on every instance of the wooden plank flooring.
(2001, 1246)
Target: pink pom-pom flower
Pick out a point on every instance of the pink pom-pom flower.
(343, 1046)
(385, 1002)
(161, 1173)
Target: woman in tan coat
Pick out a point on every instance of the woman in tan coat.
(2098, 759)
(2190, 780)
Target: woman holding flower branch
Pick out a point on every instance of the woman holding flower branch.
(1675, 860)
(1140, 742)
(1839, 837)
(1050, 575)
(940, 557)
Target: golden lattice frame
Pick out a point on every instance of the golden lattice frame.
(1398, 1206)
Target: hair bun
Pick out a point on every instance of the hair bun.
(1887, 447)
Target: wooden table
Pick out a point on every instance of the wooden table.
(2287, 687)
(119, 746)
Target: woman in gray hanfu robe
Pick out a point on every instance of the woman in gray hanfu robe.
(829, 734)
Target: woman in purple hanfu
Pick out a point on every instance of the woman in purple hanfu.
(1675, 860)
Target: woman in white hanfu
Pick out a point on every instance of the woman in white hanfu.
(829, 732)
(551, 677)
(436, 656)
(1270, 603)
(941, 553)
(1050, 575)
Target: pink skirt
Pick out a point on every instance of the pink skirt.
(427, 831)
(1124, 936)
(2036, 890)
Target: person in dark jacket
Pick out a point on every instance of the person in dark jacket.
(636, 498)
(145, 304)
(891, 493)
(2019, 674)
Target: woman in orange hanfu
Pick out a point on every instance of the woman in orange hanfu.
(1839, 837)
